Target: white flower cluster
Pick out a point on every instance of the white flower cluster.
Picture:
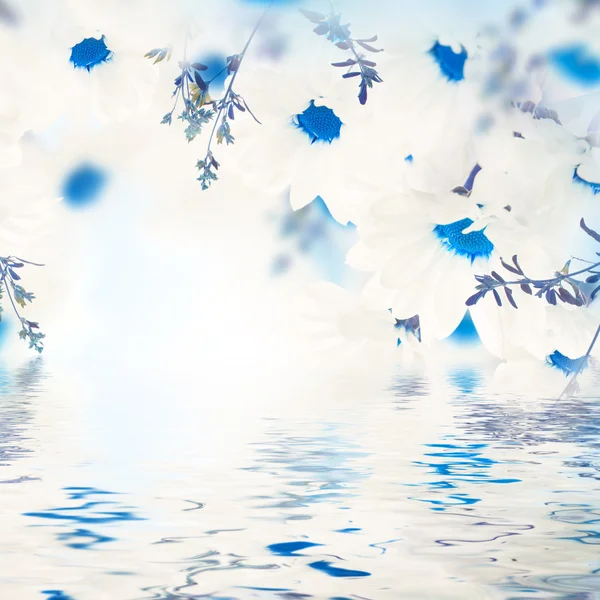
(478, 142)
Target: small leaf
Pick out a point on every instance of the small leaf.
(312, 16)
(362, 95)
(371, 39)
(200, 82)
(346, 63)
(343, 45)
(233, 63)
(14, 275)
(353, 74)
(593, 279)
(498, 277)
(589, 231)
(509, 297)
(230, 112)
(566, 296)
(368, 47)
(321, 29)
(509, 267)
(369, 63)
(199, 67)
(497, 297)
(551, 297)
(161, 56)
(526, 288)
(517, 265)
(472, 300)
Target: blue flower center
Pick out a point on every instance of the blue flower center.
(472, 245)
(451, 64)
(89, 53)
(83, 185)
(565, 364)
(593, 185)
(319, 123)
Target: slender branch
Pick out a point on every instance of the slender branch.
(223, 103)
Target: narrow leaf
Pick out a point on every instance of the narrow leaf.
(362, 95)
(371, 39)
(509, 267)
(498, 277)
(312, 16)
(346, 63)
(472, 300)
(551, 297)
(509, 297)
(516, 263)
(566, 296)
(199, 67)
(353, 74)
(368, 47)
(593, 279)
(343, 45)
(200, 82)
(497, 297)
(526, 288)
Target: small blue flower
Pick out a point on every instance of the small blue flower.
(565, 364)
(574, 62)
(89, 53)
(592, 185)
(451, 64)
(472, 245)
(83, 185)
(319, 123)
(409, 158)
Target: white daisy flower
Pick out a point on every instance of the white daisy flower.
(310, 135)
(425, 250)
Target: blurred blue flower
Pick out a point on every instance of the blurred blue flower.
(451, 64)
(576, 63)
(83, 185)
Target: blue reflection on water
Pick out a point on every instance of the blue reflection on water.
(458, 464)
(18, 388)
(80, 538)
(465, 380)
(56, 595)
(326, 567)
(290, 548)
(313, 469)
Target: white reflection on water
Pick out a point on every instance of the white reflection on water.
(334, 491)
